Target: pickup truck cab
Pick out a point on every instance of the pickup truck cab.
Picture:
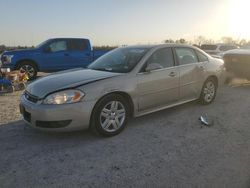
(52, 55)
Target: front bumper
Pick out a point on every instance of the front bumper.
(67, 117)
(8, 66)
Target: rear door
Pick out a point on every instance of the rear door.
(191, 73)
(159, 87)
(79, 53)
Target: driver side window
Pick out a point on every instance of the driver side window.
(162, 58)
(58, 46)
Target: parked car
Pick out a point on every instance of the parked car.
(52, 55)
(128, 81)
(237, 62)
(217, 50)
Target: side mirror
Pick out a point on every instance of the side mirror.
(153, 66)
(47, 49)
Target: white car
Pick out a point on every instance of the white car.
(217, 50)
(129, 81)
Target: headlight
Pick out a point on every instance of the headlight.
(64, 97)
(4, 70)
(6, 58)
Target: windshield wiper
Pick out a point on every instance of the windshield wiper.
(99, 69)
(103, 69)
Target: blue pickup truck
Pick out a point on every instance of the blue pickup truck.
(52, 55)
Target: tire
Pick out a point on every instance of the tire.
(110, 115)
(209, 91)
(28, 67)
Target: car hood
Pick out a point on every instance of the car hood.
(239, 51)
(66, 79)
(24, 51)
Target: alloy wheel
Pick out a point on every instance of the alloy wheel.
(112, 116)
(209, 91)
(28, 69)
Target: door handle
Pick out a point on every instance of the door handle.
(172, 74)
(66, 54)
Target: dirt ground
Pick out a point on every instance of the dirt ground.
(9, 106)
(169, 148)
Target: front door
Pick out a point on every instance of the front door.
(158, 82)
(55, 56)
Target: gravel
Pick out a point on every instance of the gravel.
(169, 148)
(9, 107)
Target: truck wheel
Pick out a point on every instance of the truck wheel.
(110, 115)
(208, 92)
(29, 68)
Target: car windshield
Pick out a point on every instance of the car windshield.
(120, 60)
(41, 44)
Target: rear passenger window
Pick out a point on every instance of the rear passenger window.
(163, 58)
(77, 45)
(186, 56)
(201, 56)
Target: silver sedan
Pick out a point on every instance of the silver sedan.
(128, 81)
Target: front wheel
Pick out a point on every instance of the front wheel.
(208, 92)
(110, 115)
(29, 68)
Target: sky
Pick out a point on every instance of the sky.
(119, 22)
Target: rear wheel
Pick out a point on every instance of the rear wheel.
(208, 92)
(110, 115)
(29, 68)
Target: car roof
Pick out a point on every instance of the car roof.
(68, 38)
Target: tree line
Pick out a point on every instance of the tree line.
(200, 40)
(197, 41)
